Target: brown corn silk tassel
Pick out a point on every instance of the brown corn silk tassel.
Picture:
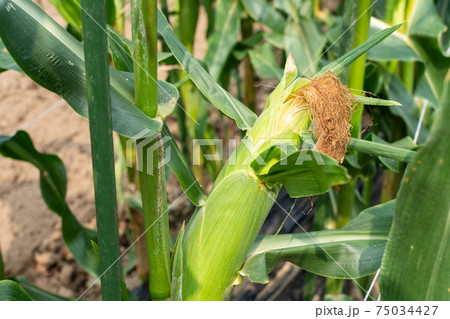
(331, 105)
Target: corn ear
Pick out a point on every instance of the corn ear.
(220, 233)
(218, 238)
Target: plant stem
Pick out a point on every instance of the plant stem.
(151, 174)
(408, 75)
(185, 24)
(357, 69)
(249, 85)
(367, 190)
(145, 55)
(99, 104)
(355, 81)
(156, 220)
(120, 18)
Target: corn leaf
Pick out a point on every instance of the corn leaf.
(264, 63)
(262, 11)
(405, 143)
(55, 60)
(36, 293)
(53, 183)
(339, 65)
(120, 48)
(219, 97)
(298, 8)
(11, 291)
(303, 173)
(220, 44)
(305, 41)
(416, 263)
(71, 12)
(443, 8)
(395, 47)
(425, 28)
(373, 101)
(352, 252)
(410, 110)
(120, 51)
(180, 167)
(6, 61)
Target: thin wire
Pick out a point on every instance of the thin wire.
(40, 115)
(371, 285)
(419, 125)
(140, 236)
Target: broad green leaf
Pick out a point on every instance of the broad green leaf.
(55, 60)
(425, 21)
(180, 167)
(261, 11)
(53, 183)
(275, 38)
(379, 149)
(220, 44)
(6, 61)
(208, 5)
(120, 51)
(218, 96)
(36, 293)
(120, 48)
(71, 12)
(424, 29)
(339, 65)
(11, 291)
(305, 41)
(352, 252)
(395, 47)
(416, 262)
(409, 112)
(264, 63)
(423, 91)
(344, 28)
(298, 8)
(443, 8)
(303, 173)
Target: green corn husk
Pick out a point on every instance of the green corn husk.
(221, 231)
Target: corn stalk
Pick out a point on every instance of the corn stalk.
(151, 175)
(99, 102)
